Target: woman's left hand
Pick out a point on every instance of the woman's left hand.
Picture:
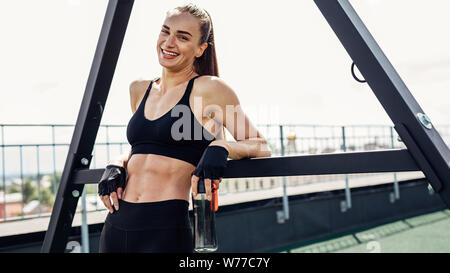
(208, 186)
(211, 168)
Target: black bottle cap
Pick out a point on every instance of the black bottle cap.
(201, 186)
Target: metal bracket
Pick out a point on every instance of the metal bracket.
(82, 160)
(418, 156)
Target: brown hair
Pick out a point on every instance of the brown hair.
(207, 63)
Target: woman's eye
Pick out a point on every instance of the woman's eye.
(182, 37)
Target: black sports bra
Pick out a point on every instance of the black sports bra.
(172, 134)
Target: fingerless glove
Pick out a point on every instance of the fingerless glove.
(113, 177)
(213, 162)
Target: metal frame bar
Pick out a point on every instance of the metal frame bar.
(426, 149)
(421, 138)
(392, 160)
(89, 117)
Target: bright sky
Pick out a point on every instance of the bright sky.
(281, 58)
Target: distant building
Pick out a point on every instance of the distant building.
(13, 203)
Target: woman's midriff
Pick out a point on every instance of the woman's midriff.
(154, 177)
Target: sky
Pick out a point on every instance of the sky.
(280, 57)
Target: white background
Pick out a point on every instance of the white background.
(281, 58)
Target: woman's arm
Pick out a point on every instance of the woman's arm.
(223, 106)
(245, 148)
(136, 90)
(106, 194)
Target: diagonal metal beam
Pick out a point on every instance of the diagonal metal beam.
(88, 121)
(424, 143)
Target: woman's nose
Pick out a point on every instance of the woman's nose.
(170, 42)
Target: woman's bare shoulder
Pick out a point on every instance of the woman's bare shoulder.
(136, 86)
(215, 88)
(137, 91)
(211, 84)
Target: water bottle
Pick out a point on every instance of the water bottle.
(204, 220)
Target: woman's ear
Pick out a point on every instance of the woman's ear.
(201, 50)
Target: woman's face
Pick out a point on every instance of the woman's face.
(178, 42)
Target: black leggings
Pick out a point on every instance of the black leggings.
(161, 226)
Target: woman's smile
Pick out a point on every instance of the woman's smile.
(169, 54)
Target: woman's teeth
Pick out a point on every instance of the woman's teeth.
(170, 53)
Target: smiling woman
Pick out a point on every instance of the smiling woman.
(188, 33)
(150, 187)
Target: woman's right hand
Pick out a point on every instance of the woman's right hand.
(111, 184)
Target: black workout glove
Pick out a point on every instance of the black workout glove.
(113, 177)
(212, 163)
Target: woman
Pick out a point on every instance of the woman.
(168, 157)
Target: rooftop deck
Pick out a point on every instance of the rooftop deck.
(428, 233)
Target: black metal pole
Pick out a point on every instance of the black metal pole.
(88, 121)
(421, 138)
